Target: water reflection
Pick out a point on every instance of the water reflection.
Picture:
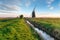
(44, 35)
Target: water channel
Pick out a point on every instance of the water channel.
(41, 33)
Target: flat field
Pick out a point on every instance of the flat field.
(51, 25)
(55, 22)
(16, 29)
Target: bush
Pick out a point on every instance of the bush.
(21, 16)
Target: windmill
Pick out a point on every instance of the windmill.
(33, 13)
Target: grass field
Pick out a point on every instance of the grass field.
(52, 25)
(54, 22)
(16, 29)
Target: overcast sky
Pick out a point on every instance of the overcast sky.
(44, 8)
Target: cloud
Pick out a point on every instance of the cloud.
(51, 8)
(27, 4)
(8, 6)
(50, 1)
(4, 11)
(48, 5)
(14, 7)
(59, 4)
(10, 2)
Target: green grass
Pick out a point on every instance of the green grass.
(55, 22)
(52, 25)
(16, 29)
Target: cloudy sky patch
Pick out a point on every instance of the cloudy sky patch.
(26, 6)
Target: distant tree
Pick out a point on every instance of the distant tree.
(21, 16)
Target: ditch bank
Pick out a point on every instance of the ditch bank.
(41, 33)
(52, 33)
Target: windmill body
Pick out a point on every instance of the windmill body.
(33, 13)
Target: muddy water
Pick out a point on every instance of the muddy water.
(41, 33)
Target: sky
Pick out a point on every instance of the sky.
(43, 8)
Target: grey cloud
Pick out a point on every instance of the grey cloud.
(7, 7)
(13, 5)
(10, 2)
(3, 11)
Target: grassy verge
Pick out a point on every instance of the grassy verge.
(51, 25)
(15, 29)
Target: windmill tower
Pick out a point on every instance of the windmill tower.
(33, 13)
